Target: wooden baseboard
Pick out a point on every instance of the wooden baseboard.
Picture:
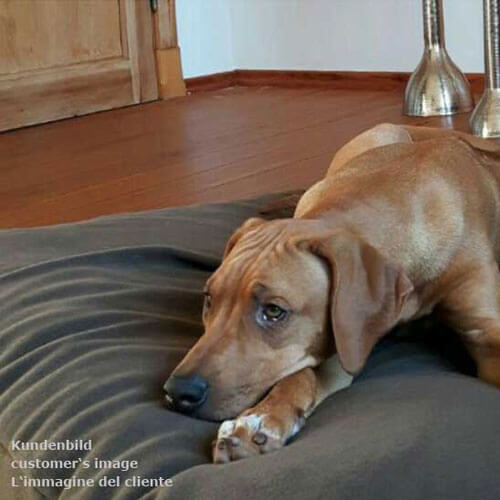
(358, 80)
(211, 82)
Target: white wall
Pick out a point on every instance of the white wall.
(363, 35)
(204, 31)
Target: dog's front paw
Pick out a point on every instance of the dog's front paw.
(253, 434)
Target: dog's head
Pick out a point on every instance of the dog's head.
(270, 309)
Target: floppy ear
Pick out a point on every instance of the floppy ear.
(248, 225)
(367, 295)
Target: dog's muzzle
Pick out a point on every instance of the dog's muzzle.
(185, 394)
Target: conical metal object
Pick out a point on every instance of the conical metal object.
(485, 120)
(437, 87)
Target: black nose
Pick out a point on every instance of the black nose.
(185, 394)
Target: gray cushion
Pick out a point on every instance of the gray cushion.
(95, 315)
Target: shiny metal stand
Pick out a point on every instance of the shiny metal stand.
(437, 86)
(485, 120)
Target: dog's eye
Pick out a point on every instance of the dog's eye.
(272, 313)
(208, 300)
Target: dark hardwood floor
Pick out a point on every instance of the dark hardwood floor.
(210, 146)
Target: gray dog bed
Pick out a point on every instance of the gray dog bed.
(95, 315)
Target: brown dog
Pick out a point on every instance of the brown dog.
(405, 222)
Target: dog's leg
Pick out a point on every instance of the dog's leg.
(473, 308)
(380, 135)
(281, 414)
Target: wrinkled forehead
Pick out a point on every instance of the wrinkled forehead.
(276, 269)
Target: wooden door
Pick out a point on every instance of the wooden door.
(61, 58)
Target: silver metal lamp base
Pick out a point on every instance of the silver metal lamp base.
(485, 120)
(437, 87)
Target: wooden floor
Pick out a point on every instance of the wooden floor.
(219, 145)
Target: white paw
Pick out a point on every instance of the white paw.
(252, 434)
